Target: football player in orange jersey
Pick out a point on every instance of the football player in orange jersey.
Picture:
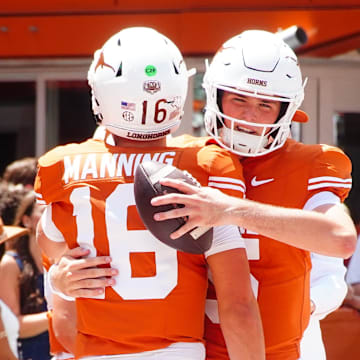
(155, 307)
(254, 88)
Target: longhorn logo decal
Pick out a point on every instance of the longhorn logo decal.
(101, 62)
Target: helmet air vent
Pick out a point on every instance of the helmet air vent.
(119, 72)
(176, 69)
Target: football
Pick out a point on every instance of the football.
(146, 186)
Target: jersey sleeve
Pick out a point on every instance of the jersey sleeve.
(224, 170)
(48, 181)
(225, 238)
(321, 198)
(49, 191)
(51, 231)
(330, 172)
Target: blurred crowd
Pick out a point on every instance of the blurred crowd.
(21, 269)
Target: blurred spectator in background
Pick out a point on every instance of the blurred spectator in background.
(9, 323)
(21, 270)
(22, 171)
(10, 198)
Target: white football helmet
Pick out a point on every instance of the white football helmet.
(139, 83)
(255, 63)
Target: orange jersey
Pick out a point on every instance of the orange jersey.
(280, 273)
(159, 295)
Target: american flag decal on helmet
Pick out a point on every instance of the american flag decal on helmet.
(128, 106)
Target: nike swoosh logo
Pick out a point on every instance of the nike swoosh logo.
(255, 182)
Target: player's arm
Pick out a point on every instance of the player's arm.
(238, 311)
(61, 316)
(64, 322)
(52, 249)
(329, 230)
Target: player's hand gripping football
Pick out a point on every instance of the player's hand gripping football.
(79, 276)
(203, 206)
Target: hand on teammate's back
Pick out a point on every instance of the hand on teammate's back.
(79, 276)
